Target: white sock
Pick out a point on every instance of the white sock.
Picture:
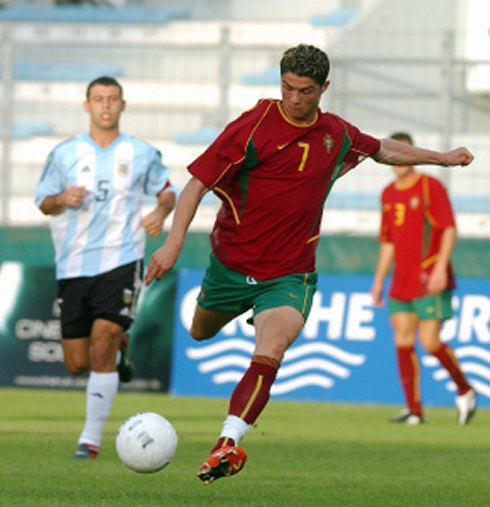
(235, 428)
(101, 392)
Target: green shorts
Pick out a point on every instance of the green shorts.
(224, 289)
(436, 306)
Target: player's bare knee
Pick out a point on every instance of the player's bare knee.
(431, 348)
(273, 350)
(76, 368)
(200, 334)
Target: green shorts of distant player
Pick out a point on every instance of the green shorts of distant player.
(434, 306)
(224, 289)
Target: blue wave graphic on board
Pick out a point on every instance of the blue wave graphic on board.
(475, 363)
(313, 364)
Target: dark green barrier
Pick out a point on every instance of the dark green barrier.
(152, 335)
(30, 339)
(335, 254)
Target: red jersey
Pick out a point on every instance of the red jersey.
(273, 177)
(414, 219)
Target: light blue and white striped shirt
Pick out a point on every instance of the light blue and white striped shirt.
(104, 232)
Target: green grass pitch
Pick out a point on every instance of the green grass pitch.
(299, 454)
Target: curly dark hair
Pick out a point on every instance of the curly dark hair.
(103, 80)
(307, 61)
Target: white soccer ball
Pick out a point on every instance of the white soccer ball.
(146, 442)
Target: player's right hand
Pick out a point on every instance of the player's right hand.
(161, 262)
(73, 196)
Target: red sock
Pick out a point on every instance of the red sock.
(447, 359)
(222, 441)
(253, 391)
(408, 366)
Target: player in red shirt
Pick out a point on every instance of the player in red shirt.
(418, 234)
(272, 168)
(263, 157)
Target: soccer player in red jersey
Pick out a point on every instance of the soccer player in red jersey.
(418, 234)
(272, 168)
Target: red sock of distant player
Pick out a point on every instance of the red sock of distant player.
(252, 392)
(408, 367)
(447, 359)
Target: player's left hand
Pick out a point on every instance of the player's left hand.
(437, 281)
(152, 223)
(377, 294)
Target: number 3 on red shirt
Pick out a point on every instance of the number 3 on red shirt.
(399, 214)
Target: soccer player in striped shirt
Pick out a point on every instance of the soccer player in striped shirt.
(93, 186)
(418, 234)
(273, 169)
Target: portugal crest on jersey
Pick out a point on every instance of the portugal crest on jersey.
(328, 143)
(414, 202)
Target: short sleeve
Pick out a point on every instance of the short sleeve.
(51, 181)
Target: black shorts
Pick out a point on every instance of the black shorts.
(111, 296)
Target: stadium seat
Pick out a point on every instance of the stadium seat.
(92, 14)
(268, 77)
(345, 200)
(26, 130)
(337, 18)
(39, 71)
(353, 200)
(200, 136)
(470, 203)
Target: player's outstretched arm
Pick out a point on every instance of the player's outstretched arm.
(393, 152)
(164, 259)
